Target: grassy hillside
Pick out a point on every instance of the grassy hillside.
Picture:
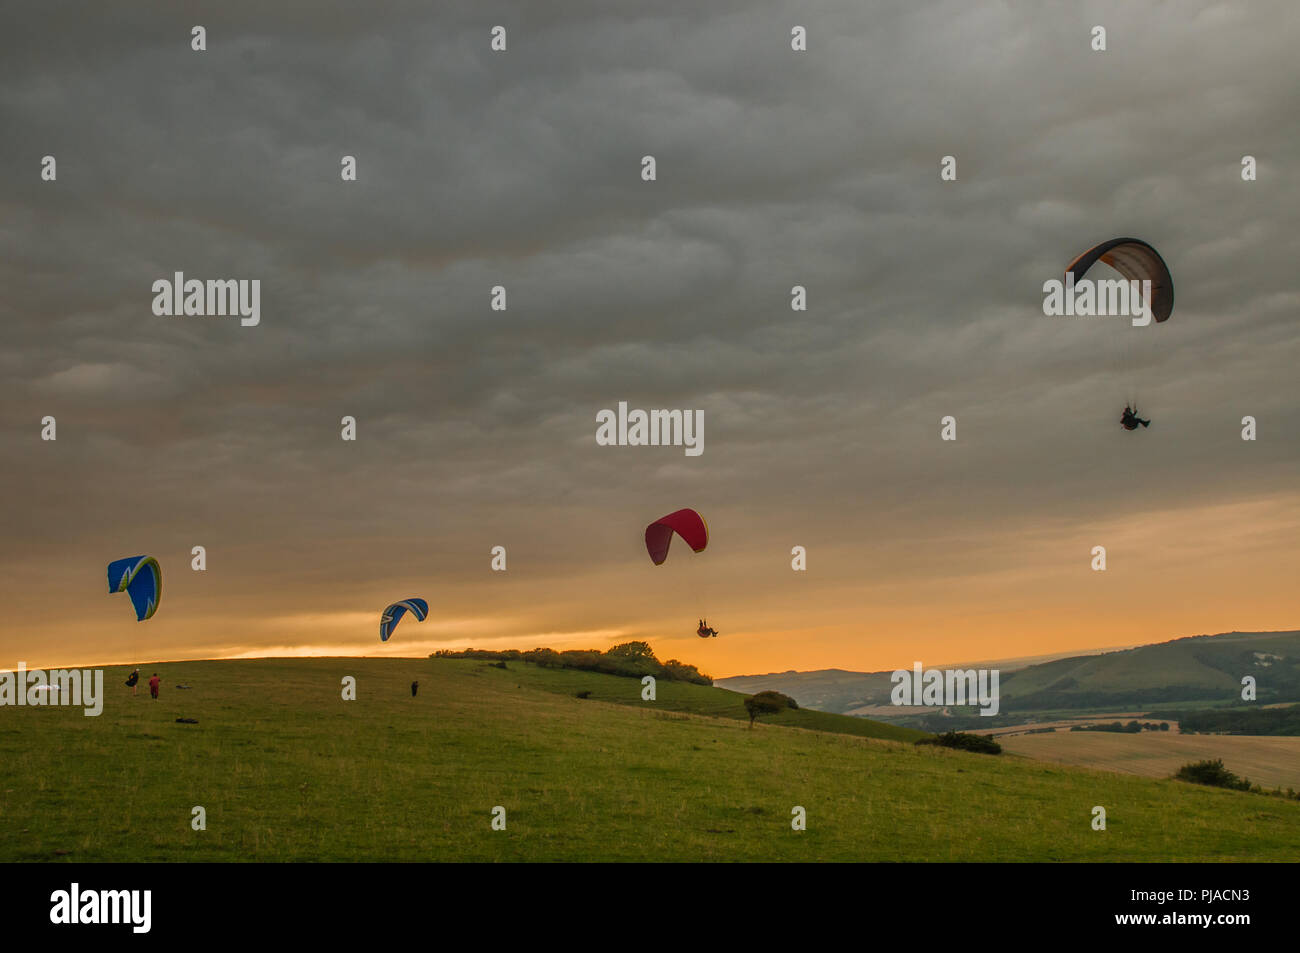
(288, 771)
(698, 700)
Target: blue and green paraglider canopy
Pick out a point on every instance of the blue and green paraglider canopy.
(140, 577)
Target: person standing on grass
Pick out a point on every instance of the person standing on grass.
(153, 686)
(415, 687)
(133, 680)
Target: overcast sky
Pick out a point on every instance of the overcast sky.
(476, 428)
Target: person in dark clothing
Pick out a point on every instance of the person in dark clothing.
(133, 680)
(1129, 420)
(154, 683)
(415, 687)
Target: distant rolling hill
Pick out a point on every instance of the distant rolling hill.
(1202, 669)
(830, 689)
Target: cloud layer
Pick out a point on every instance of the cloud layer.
(476, 428)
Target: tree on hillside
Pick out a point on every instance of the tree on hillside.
(682, 672)
(767, 703)
(630, 660)
(546, 658)
(633, 651)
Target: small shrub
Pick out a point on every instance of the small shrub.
(1212, 773)
(963, 741)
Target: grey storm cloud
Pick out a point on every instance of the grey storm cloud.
(522, 169)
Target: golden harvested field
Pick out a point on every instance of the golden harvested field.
(1067, 723)
(1269, 761)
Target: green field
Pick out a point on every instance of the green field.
(288, 771)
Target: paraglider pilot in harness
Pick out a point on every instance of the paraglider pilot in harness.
(1130, 419)
(704, 631)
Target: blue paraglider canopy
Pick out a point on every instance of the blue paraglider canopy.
(393, 614)
(140, 577)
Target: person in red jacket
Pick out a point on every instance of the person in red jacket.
(153, 686)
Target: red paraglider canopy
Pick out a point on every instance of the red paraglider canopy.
(687, 524)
